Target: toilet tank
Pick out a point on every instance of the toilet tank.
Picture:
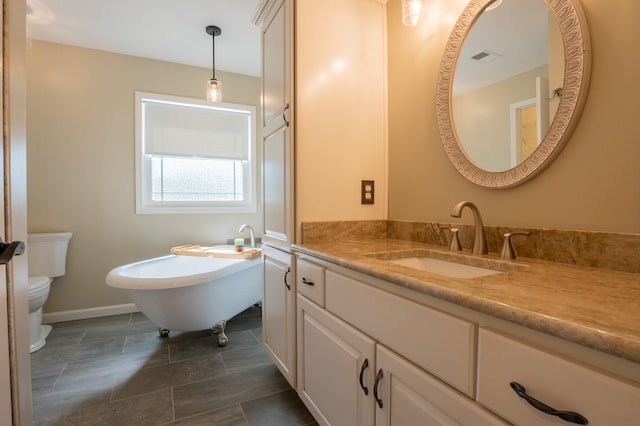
(47, 253)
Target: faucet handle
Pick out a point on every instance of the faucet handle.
(508, 252)
(455, 238)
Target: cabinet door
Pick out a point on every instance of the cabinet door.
(335, 365)
(276, 75)
(277, 188)
(409, 396)
(278, 311)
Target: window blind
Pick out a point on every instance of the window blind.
(192, 131)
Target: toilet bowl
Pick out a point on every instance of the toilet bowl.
(38, 293)
(47, 257)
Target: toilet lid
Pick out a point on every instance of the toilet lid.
(38, 283)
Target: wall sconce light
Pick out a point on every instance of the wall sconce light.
(411, 10)
(214, 87)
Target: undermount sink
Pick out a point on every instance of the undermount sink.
(443, 267)
(448, 264)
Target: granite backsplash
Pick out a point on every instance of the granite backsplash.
(607, 250)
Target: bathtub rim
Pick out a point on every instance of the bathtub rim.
(116, 280)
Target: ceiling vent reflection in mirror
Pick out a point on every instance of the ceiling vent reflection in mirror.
(486, 56)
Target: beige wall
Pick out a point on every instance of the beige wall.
(80, 158)
(483, 120)
(340, 109)
(594, 184)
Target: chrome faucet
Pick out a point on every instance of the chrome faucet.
(253, 237)
(480, 239)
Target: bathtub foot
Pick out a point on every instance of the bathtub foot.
(163, 332)
(219, 330)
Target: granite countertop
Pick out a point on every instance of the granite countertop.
(593, 307)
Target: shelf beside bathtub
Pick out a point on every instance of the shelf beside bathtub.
(215, 251)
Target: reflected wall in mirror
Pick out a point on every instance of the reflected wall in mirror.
(501, 100)
(512, 84)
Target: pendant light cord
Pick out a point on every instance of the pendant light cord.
(213, 56)
(213, 31)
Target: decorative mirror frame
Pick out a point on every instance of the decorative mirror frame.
(577, 51)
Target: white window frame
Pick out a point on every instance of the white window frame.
(144, 203)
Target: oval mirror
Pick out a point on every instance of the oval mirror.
(512, 83)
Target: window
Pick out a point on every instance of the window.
(193, 156)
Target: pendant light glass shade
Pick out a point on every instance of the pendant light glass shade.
(411, 10)
(214, 86)
(214, 90)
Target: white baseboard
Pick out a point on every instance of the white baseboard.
(102, 311)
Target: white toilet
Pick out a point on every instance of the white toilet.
(47, 259)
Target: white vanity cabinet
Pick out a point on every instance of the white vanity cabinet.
(278, 310)
(372, 352)
(348, 376)
(559, 383)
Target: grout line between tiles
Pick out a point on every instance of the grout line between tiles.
(268, 394)
(84, 334)
(173, 405)
(224, 364)
(244, 415)
(66, 364)
(113, 387)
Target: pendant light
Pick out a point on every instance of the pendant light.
(214, 87)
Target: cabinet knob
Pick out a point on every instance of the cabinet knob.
(375, 388)
(305, 281)
(365, 365)
(286, 273)
(567, 416)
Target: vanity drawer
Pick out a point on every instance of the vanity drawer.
(439, 343)
(311, 281)
(553, 380)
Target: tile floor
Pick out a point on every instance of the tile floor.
(118, 371)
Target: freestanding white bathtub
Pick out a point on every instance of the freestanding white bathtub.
(189, 293)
